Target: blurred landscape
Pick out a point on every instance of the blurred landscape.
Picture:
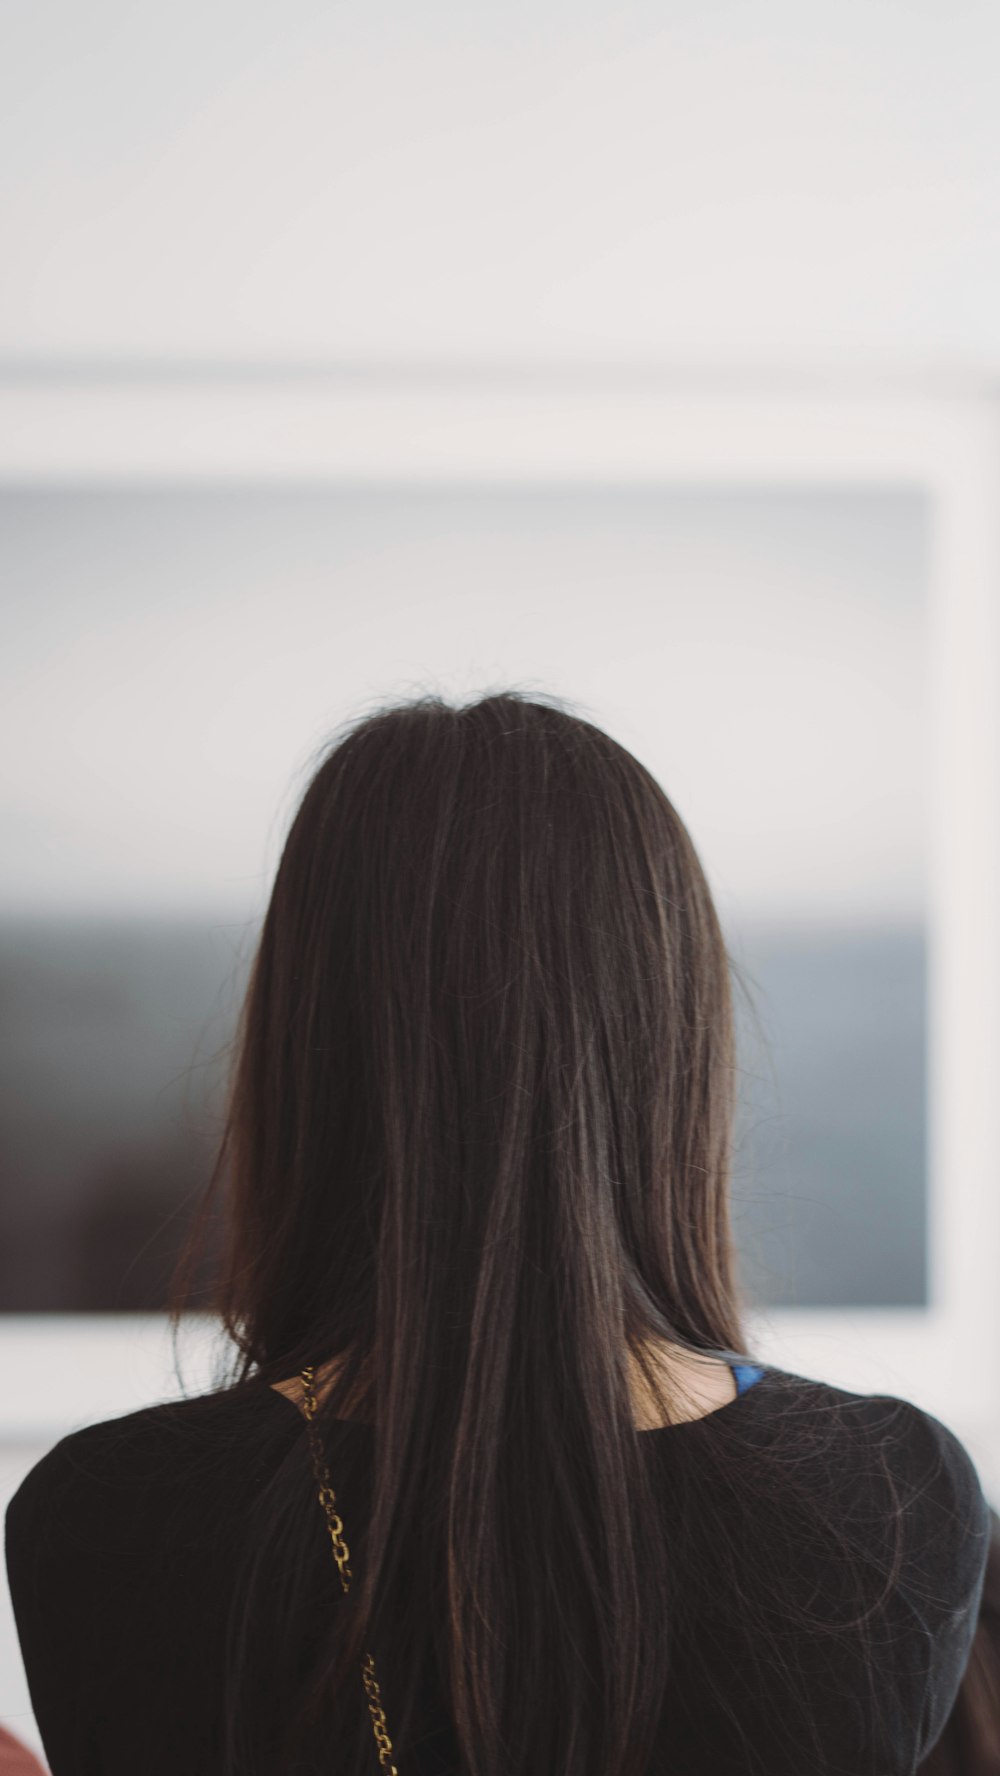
(113, 1047)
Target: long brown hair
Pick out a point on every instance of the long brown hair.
(478, 1145)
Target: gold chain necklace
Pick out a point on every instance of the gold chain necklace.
(341, 1554)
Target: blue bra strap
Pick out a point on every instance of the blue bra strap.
(746, 1374)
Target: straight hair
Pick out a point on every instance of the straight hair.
(477, 1146)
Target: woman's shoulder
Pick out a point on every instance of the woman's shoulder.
(862, 1520)
(828, 1420)
(108, 1468)
(887, 1418)
(899, 1484)
(90, 1455)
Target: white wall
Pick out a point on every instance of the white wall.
(692, 180)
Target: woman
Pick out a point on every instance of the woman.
(477, 1269)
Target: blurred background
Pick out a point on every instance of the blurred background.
(241, 247)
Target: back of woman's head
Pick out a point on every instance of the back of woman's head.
(478, 1149)
(483, 1107)
(478, 1145)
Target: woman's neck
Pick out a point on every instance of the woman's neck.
(694, 1385)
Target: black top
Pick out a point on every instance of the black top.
(120, 1567)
